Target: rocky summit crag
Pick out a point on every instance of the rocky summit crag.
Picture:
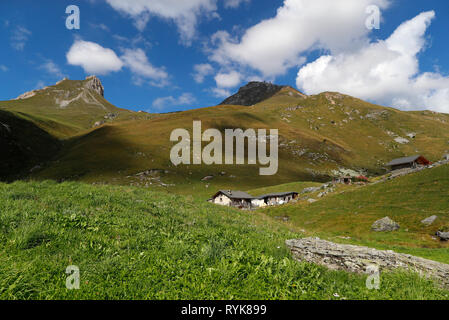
(252, 93)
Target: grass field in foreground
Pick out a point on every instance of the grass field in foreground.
(407, 200)
(133, 244)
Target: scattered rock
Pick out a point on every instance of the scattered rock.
(111, 116)
(444, 236)
(98, 124)
(360, 259)
(385, 225)
(310, 190)
(312, 201)
(429, 221)
(207, 178)
(401, 140)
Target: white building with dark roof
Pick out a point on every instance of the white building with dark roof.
(243, 200)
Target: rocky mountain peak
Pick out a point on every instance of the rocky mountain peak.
(252, 93)
(94, 83)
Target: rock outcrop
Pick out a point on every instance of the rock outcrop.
(385, 225)
(444, 236)
(362, 259)
(252, 93)
(93, 83)
(429, 221)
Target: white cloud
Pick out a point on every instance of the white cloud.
(93, 58)
(52, 68)
(184, 13)
(183, 100)
(228, 80)
(234, 3)
(201, 71)
(20, 37)
(137, 61)
(386, 72)
(277, 44)
(220, 92)
(3, 68)
(100, 26)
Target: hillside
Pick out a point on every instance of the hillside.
(347, 215)
(23, 146)
(321, 136)
(132, 244)
(69, 107)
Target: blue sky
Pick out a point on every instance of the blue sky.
(149, 53)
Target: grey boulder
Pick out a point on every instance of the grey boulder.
(444, 236)
(385, 225)
(429, 221)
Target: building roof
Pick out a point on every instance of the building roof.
(243, 195)
(281, 194)
(235, 194)
(406, 160)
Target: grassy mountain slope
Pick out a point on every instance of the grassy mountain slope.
(23, 145)
(68, 108)
(319, 135)
(407, 200)
(134, 244)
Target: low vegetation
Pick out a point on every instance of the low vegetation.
(347, 216)
(133, 244)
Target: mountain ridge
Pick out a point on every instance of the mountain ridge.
(320, 137)
(255, 92)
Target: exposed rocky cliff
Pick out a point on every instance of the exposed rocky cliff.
(93, 83)
(252, 93)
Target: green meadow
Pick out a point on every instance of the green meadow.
(133, 244)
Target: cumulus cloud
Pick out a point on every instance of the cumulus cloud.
(385, 72)
(137, 61)
(228, 80)
(277, 44)
(220, 92)
(93, 58)
(184, 13)
(201, 71)
(183, 100)
(224, 82)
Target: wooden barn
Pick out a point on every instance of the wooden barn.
(408, 163)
